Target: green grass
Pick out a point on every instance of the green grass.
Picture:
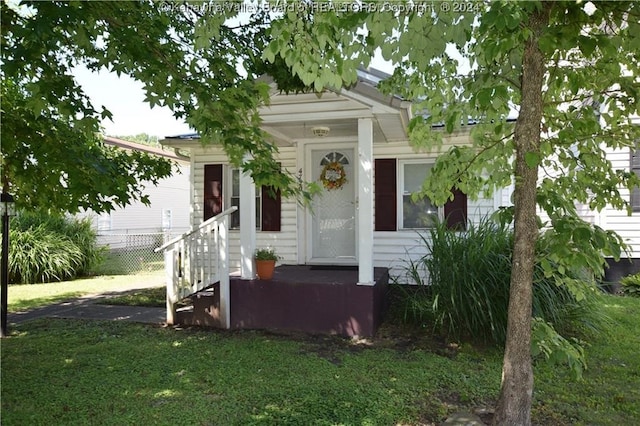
(23, 297)
(113, 373)
(126, 262)
(150, 297)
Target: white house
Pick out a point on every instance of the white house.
(354, 143)
(628, 227)
(367, 219)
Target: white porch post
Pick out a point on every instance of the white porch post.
(247, 226)
(223, 271)
(365, 201)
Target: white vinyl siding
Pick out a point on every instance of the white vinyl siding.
(284, 241)
(392, 249)
(627, 226)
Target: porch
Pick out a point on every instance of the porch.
(313, 299)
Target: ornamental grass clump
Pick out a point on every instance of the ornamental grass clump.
(47, 248)
(463, 286)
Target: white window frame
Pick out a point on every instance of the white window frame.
(231, 197)
(401, 190)
(166, 220)
(104, 222)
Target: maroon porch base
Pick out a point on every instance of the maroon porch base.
(301, 298)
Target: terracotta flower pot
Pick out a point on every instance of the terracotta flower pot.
(264, 269)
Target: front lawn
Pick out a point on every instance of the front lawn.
(22, 297)
(88, 372)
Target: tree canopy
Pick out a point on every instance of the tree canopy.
(189, 58)
(570, 70)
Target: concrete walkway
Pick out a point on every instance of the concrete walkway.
(87, 308)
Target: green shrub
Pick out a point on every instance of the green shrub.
(467, 293)
(631, 285)
(48, 248)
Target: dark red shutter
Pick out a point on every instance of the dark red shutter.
(271, 209)
(385, 196)
(455, 211)
(212, 190)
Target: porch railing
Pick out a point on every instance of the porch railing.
(196, 260)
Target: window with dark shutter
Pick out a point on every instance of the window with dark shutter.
(385, 187)
(455, 211)
(271, 209)
(635, 168)
(212, 195)
(268, 201)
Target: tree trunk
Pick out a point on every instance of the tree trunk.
(516, 394)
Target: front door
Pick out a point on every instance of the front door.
(333, 215)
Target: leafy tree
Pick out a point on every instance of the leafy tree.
(571, 72)
(187, 58)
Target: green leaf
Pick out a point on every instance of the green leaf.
(532, 159)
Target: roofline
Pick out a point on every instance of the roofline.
(134, 146)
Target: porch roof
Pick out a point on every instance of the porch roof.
(293, 118)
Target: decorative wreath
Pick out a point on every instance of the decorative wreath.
(333, 176)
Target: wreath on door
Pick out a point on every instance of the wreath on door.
(333, 176)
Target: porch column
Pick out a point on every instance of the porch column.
(365, 201)
(247, 226)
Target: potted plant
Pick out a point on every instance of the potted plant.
(265, 262)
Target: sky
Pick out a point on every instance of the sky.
(124, 97)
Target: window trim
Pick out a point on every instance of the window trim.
(400, 192)
(229, 187)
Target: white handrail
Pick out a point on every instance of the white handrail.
(200, 227)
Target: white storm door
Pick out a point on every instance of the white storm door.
(333, 217)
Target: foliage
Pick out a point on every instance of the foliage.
(631, 285)
(325, 380)
(51, 248)
(189, 58)
(464, 285)
(555, 349)
(266, 254)
(42, 256)
(37, 146)
(568, 69)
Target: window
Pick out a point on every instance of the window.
(235, 201)
(216, 193)
(388, 192)
(635, 168)
(104, 222)
(418, 214)
(166, 219)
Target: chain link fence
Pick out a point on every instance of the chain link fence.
(130, 252)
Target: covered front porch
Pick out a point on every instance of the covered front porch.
(313, 299)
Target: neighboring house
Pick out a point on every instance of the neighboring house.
(369, 220)
(628, 227)
(168, 213)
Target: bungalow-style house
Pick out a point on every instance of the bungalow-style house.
(337, 256)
